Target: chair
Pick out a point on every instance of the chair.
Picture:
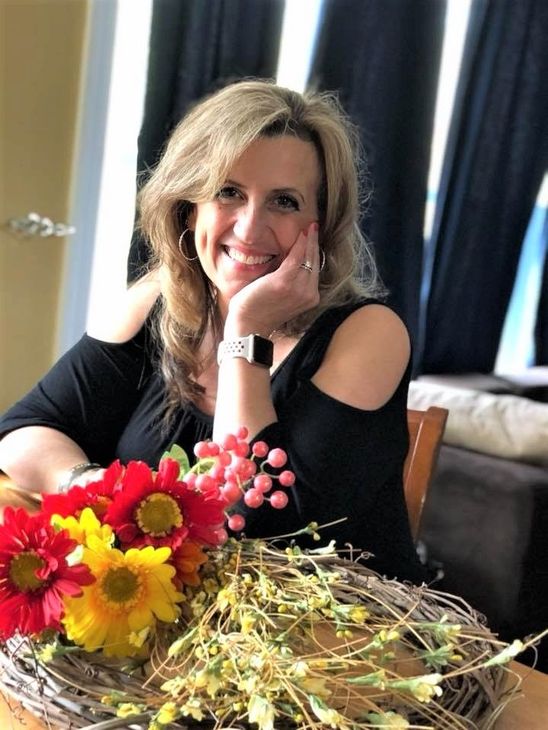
(425, 433)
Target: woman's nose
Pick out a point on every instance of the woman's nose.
(249, 224)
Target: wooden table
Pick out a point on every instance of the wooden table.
(529, 711)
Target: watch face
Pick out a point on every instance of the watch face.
(263, 350)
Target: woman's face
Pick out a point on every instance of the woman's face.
(269, 197)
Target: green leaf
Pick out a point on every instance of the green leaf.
(506, 655)
(180, 456)
(261, 711)
(373, 679)
(387, 719)
(182, 643)
(317, 704)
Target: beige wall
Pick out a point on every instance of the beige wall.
(42, 46)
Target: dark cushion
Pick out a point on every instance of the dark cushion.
(486, 521)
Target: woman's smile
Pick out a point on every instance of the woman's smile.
(247, 258)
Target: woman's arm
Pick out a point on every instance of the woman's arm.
(38, 458)
(243, 393)
(79, 408)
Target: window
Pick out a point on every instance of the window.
(517, 351)
(299, 30)
(104, 188)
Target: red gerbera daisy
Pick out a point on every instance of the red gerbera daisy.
(34, 574)
(97, 495)
(157, 509)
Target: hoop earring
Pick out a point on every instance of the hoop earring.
(322, 254)
(180, 247)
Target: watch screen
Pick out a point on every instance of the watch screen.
(263, 351)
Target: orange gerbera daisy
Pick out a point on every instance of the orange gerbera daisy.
(187, 560)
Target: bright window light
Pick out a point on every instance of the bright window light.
(117, 193)
(516, 351)
(299, 28)
(456, 23)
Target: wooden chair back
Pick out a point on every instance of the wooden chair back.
(425, 433)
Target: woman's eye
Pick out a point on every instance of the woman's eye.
(288, 202)
(228, 192)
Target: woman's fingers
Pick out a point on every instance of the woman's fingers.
(304, 251)
(312, 248)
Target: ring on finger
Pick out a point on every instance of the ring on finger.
(306, 265)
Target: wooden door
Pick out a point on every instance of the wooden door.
(42, 47)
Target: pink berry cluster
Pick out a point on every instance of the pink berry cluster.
(232, 470)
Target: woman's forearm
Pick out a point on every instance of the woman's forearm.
(38, 458)
(243, 391)
(243, 398)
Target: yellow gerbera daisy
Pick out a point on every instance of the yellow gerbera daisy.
(82, 527)
(132, 590)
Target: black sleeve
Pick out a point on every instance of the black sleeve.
(88, 395)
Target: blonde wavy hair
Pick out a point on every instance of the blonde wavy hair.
(195, 164)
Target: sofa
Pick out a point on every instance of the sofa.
(484, 528)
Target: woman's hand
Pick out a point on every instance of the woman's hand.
(267, 303)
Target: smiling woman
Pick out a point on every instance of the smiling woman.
(252, 314)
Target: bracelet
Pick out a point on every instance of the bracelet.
(75, 472)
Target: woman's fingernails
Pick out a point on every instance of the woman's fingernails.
(311, 228)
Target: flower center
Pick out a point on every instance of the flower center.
(23, 569)
(120, 586)
(158, 514)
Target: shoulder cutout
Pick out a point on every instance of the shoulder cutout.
(128, 312)
(366, 358)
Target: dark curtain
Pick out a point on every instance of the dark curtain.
(196, 46)
(541, 329)
(382, 57)
(496, 157)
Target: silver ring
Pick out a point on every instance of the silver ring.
(306, 265)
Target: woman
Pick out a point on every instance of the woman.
(251, 314)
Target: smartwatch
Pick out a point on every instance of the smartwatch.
(256, 349)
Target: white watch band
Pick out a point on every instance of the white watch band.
(254, 348)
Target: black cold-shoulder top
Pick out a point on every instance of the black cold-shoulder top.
(108, 398)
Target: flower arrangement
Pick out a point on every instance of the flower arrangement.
(104, 564)
(134, 581)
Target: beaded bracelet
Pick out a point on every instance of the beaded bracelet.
(75, 472)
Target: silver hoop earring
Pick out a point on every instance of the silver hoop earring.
(180, 247)
(322, 254)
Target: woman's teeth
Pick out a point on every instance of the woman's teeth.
(250, 260)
